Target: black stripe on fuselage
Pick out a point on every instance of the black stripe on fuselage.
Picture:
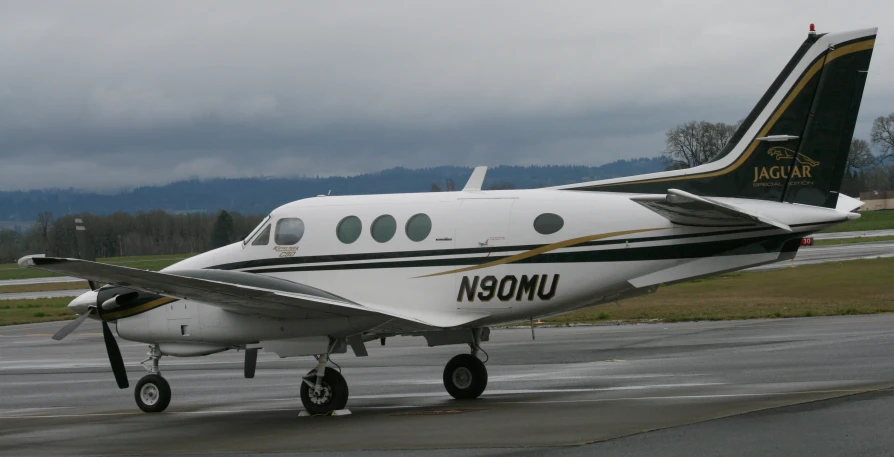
(260, 265)
(738, 246)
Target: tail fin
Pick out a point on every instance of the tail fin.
(793, 145)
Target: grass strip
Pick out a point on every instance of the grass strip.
(852, 287)
(840, 288)
(43, 287)
(13, 312)
(859, 239)
(869, 220)
(146, 262)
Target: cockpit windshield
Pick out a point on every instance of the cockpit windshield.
(255, 231)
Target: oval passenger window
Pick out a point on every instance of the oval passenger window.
(289, 231)
(548, 223)
(418, 227)
(348, 230)
(383, 228)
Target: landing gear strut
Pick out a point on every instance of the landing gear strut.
(324, 389)
(465, 376)
(153, 393)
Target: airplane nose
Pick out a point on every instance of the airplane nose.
(81, 303)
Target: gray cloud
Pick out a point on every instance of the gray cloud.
(115, 94)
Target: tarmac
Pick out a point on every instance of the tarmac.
(808, 386)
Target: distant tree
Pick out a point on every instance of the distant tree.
(502, 185)
(435, 187)
(449, 185)
(223, 232)
(693, 143)
(43, 223)
(882, 136)
(860, 155)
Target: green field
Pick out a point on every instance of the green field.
(853, 287)
(869, 220)
(39, 310)
(145, 262)
(859, 239)
(42, 287)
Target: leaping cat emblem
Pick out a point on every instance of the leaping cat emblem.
(782, 153)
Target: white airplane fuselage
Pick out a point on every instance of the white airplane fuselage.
(462, 266)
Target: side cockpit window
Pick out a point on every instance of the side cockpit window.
(263, 238)
(289, 231)
(254, 232)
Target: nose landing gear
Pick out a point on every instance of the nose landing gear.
(153, 393)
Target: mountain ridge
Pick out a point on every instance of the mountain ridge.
(259, 195)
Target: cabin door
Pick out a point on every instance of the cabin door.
(482, 230)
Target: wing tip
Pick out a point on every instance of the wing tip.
(28, 260)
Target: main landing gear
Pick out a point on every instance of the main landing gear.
(465, 376)
(153, 393)
(323, 389)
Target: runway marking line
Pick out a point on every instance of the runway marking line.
(135, 413)
(598, 400)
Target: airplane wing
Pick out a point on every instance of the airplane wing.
(684, 208)
(245, 293)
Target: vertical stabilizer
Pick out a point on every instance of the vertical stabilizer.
(793, 145)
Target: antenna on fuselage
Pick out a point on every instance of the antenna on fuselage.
(476, 180)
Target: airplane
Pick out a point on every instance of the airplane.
(324, 274)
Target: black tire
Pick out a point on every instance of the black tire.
(153, 394)
(465, 377)
(334, 390)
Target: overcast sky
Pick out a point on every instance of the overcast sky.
(105, 95)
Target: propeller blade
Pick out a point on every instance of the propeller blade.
(64, 331)
(115, 356)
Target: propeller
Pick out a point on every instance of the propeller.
(119, 296)
(114, 356)
(64, 331)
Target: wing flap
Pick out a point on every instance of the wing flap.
(685, 208)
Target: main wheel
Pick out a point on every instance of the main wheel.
(333, 394)
(153, 393)
(465, 377)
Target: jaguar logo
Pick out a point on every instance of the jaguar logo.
(782, 153)
(774, 176)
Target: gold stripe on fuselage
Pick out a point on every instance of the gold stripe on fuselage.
(541, 250)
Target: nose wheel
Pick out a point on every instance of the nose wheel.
(153, 393)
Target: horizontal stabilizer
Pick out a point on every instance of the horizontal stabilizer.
(684, 208)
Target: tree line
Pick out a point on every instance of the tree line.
(121, 234)
(259, 195)
(870, 164)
